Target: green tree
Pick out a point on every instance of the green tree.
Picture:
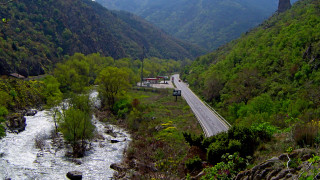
(113, 82)
(76, 124)
(73, 75)
(52, 92)
(53, 97)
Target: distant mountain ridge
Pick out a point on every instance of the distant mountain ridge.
(40, 33)
(208, 23)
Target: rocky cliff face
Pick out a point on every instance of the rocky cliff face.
(284, 5)
(286, 166)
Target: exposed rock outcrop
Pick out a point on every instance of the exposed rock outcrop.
(284, 5)
(16, 122)
(279, 167)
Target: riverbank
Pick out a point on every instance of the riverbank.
(158, 148)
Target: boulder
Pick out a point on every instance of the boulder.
(74, 175)
(118, 167)
(114, 141)
(16, 122)
(31, 112)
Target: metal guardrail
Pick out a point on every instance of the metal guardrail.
(216, 113)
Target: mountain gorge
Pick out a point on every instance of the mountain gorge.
(36, 34)
(208, 23)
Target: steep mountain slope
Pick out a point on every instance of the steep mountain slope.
(34, 34)
(271, 74)
(209, 23)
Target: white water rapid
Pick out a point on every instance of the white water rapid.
(20, 159)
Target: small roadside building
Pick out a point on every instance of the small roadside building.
(152, 80)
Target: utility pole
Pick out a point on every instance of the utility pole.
(142, 58)
(141, 72)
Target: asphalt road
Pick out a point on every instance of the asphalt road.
(210, 122)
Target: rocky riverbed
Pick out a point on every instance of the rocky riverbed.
(35, 154)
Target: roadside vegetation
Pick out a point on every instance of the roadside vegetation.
(156, 124)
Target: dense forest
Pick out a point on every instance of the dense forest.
(36, 34)
(271, 74)
(207, 23)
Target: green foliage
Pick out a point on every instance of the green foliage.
(313, 172)
(5, 99)
(237, 139)
(73, 75)
(52, 92)
(19, 94)
(193, 140)
(76, 125)
(264, 130)
(194, 164)
(227, 168)
(3, 113)
(122, 107)
(113, 82)
(270, 72)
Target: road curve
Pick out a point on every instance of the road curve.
(210, 122)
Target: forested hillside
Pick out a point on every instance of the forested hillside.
(271, 74)
(34, 34)
(208, 23)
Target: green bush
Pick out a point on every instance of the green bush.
(194, 164)
(3, 112)
(246, 137)
(122, 107)
(216, 150)
(193, 140)
(264, 130)
(228, 168)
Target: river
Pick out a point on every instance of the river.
(20, 159)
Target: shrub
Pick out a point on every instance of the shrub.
(216, 150)
(3, 112)
(227, 169)
(305, 135)
(264, 130)
(121, 108)
(194, 164)
(246, 137)
(193, 140)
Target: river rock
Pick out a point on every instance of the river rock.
(31, 112)
(118, 167)
(74, 175)
(16, 122)
(114, 141)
